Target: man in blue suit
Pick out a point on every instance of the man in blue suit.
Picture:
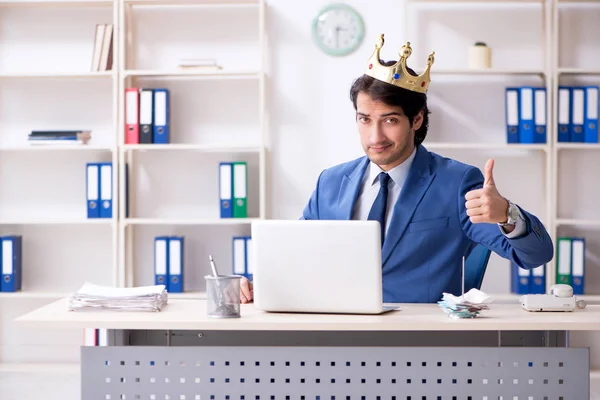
(431, 209)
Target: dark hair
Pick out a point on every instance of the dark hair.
(394, 96)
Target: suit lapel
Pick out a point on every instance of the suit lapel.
(349, 190)
(417, 182)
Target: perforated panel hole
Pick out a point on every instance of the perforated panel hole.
(347, 380)
(332, 380)
(167, 363)
(500, 381)
(531, 381)
(363, 364)
(408, 363)
(454, 363)
(485, 381)
(122, 362)
(454, 381)
(424, 364)
(302, 380)
(123, 397)
(242, 380)
(439, 381)
(394, 380)
(545, 366)
(378, 363)
(363, 380)
(182, 380)
(287, 363)
(409, 381)
(302, 363)
(257, 363)
(561, 364)
(212, 380)
(137, 363)
(469, 364)
(560, 381)
(348, 363)
(469, 381)
(138, 380)
(226, 380)
(333, 363)
(122, 380)
(197, 380)
(545, 381)
(152, 380)
(212, 363)
(530, 364)
(287, 380)
(272, 363)
(423, 381)
(242, 363)
(378, 380)
(439, 363)
(257, 380)
(318, 363)
(500, 364)
(393, 363)
(106, 363)
(272, 380)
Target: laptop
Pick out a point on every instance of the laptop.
(317, 266)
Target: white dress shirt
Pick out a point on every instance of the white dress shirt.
(369, 188)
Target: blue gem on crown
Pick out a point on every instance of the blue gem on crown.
(396, 76)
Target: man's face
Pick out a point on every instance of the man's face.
(385, 132)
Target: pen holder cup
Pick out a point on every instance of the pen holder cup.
(223, 296)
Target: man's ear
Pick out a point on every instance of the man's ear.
(418, 121)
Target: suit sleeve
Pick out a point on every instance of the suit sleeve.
(529, 250)
(311, 211)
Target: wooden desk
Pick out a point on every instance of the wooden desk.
(416, 352)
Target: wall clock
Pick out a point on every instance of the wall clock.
(338, 29)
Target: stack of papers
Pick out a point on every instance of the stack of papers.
(466, 306)
(93, 297)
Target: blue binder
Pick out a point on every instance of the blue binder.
(590, 134)
(11, 256)
(578, 265)
(161, 261)
(577, 114)
(106, 192)
(93, 190)
(540, 115)
(538, 280)
(226, 189)
(249, 259)
(239, 255)
(564, 114)
(175, 268)
(512, 114)
(526, 122)
(161, 116)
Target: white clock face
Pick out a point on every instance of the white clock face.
(338, 30)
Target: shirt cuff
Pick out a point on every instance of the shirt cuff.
(520, 228)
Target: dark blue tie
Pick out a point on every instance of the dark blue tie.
(377, 212)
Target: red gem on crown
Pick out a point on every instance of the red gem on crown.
(370, 66)
(422, 84)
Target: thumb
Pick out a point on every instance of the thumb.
(487, 175)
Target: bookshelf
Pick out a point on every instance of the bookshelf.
(216, 115)
(45, 70)
(465, 123)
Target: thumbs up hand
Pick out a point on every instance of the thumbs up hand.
(486, 204)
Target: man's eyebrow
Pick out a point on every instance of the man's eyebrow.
(390, 114)
(363, 114)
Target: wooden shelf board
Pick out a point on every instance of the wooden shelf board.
(192, 147)
(201, 3)
(578, 146)
(58, 221)
(491, 71)
(52, 75)
(484, 146)
(193, 73)
(190, 221)
(578, 222)
(53, 147)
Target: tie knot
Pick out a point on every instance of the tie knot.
(384, 179)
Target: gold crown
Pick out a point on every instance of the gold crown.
(397, 74)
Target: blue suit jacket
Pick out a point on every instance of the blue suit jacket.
(430, 230)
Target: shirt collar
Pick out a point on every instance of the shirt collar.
(398, 174)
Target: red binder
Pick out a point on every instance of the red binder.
(132, 116)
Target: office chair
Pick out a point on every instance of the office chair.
(475, 265)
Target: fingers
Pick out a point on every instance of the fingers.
(474, 194)
(488, 173)
(473, 203)
(246, 291)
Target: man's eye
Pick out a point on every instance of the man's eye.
(391, 120)
(363, 119)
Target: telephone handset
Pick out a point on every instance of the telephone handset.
(560, 299)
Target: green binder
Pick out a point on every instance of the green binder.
(563, 260)
(240, 189)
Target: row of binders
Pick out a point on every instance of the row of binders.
(95, 337)
(233, 189)
(102, 55)
(11, 250)
(146, 116)
(527, 281)
(570, 266)
(578, 114)
(168, 262)
(99, 190)
(526, 114)
(242, 256)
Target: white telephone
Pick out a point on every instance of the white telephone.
(560, 299)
